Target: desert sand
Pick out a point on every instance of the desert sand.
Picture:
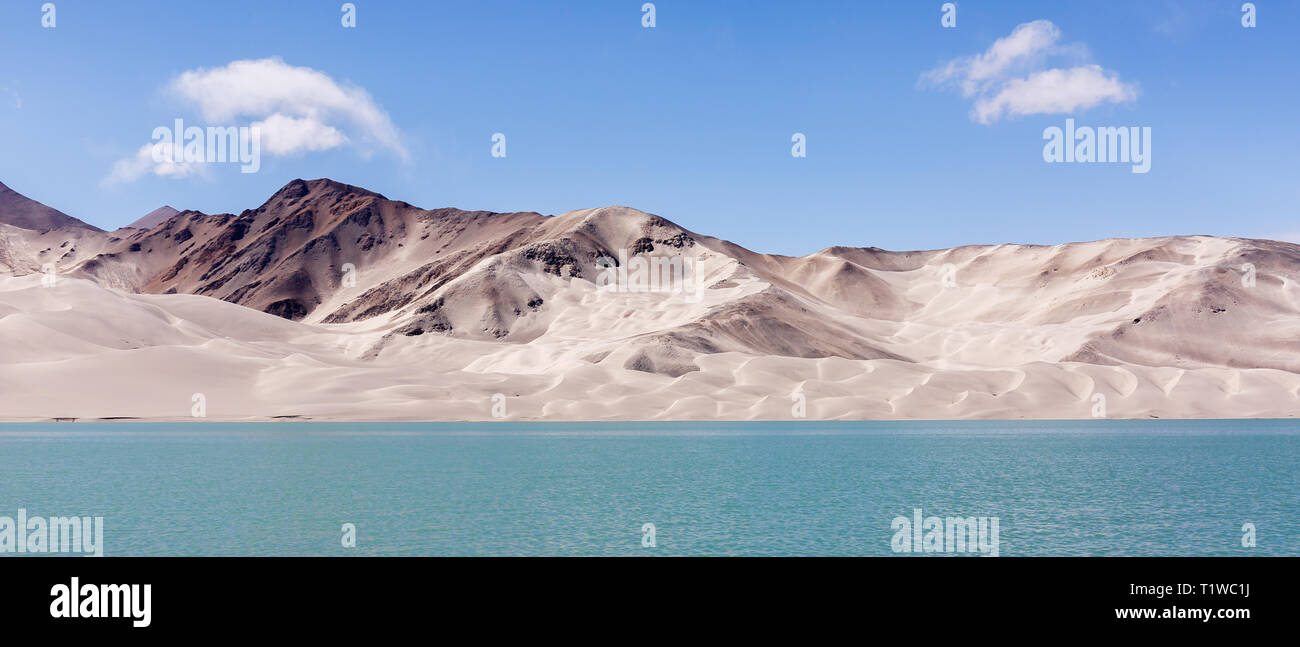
(330, 302)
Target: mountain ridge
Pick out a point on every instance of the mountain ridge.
(23, 212)
(518, 296)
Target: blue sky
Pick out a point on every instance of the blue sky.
(691, 119)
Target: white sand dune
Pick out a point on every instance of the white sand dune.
(460, 315)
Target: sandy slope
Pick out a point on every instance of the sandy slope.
(84, 351)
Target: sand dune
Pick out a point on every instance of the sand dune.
(332, 302)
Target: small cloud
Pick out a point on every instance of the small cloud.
(1012, 77)
(974, 74)
(1054, 91)
(297, 110)
(144, 163)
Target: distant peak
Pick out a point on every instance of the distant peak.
(154, 218)
(322, 187)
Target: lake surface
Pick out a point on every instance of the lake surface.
(806, 488)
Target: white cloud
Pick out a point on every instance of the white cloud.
(1012, 77)
(273, 91)
(142, 164)
(1026, 42)
(285, 135)
(1054, 91)
(297, 109)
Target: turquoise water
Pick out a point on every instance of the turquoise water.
(1057, 488)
